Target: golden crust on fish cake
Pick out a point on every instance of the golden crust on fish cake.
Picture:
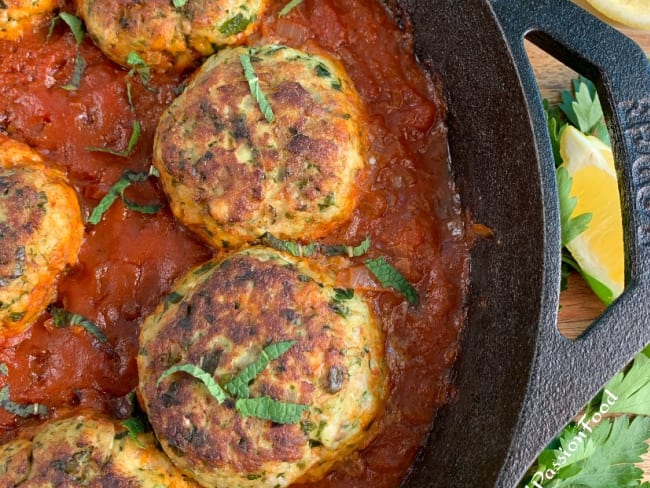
(16, 16)
(87, 449)
(40, 234)
(231, 175)
(167, 37)
(221, 317)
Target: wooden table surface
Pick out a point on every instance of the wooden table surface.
(579, 307)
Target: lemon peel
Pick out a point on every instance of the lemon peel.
(634, 13)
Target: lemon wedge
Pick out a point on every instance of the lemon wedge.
(599, 249)
(635, 13)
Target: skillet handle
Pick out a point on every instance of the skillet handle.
(621, 73)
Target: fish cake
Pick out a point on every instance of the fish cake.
(231, 175)
(17, 16)
(165, 36)
(87, 449)
(41, 232)
(225, 315)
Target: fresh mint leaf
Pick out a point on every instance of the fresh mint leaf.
(117, 190)
(268, 409)
(390, 277)
(77, 73)
(204, 377)
(254, 86)
(20, 409)
(238, 386)
(75, 24)
(571, 227)
(289, 7)
(293, 248)
(345, 250)
(133, 140)
(63, 318)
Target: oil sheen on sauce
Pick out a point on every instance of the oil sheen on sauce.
(129, 261)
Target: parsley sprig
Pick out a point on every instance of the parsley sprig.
(603, 454)
(581, 108)
(262, 407)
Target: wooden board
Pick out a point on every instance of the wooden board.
(579, 307)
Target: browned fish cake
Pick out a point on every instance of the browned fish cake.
(16, 16)
(220, 317)
(40, 234)
(231, 175)
(87, 449)
(167, 37)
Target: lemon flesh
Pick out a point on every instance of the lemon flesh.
(599, 249)
(635, 13)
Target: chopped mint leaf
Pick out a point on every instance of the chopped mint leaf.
(390, 277)
(268, 409)
(204, 377)
(239, 385)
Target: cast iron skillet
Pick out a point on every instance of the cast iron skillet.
(519, 381)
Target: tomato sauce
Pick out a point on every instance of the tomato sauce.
(129, 261)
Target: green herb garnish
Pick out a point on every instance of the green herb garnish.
(254, 86)
(4, 370)
(289, 7)
(117, 190)
(345, 250)
(571, 226)
(604, 457)
(133, 140)
(294, 248)
(341, 295)
(268, 409)
(139, 66)
(63, 318)
(263, 407)
(135, 426)
(204, 377)
(238, 386)
(20, 409)
(73, 22)
(77, 73)
(179, 3)
(390, 277)
(235, 25)
(632, 388)
(583, 110)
